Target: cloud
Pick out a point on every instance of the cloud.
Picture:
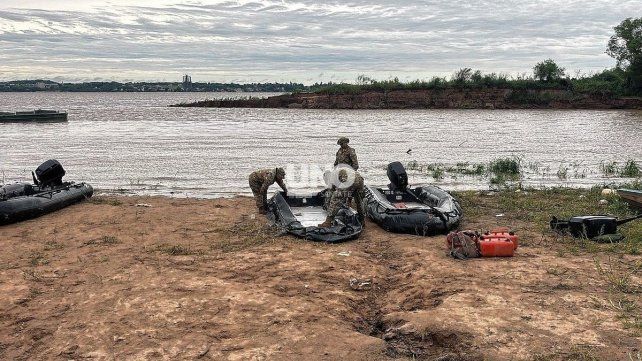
(263, 40)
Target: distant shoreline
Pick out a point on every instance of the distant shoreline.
(146, 87)
(449, 98)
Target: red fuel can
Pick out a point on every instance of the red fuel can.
(501, 233)
(496, 247)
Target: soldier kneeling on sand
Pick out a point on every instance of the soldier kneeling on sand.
(342, 196)
(261, 180)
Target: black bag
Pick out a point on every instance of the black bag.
(50, 173)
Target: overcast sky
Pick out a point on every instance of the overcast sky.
(303, 41)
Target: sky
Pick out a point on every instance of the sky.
(300, 41)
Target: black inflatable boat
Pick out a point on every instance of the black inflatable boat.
(426, 210)
(22, 201)
(300, 215)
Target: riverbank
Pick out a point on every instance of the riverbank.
(154, 277)
(448, 98)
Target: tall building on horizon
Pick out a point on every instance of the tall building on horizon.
(187, 82)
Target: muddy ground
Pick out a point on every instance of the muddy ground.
(207, 279)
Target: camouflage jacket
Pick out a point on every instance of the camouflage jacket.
(356, 186)
(266, 177)
(347, 156)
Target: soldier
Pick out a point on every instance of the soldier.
(346, 154)
(261, 180)
(342, 196)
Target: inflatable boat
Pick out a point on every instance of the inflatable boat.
(22, 201)
(425, 211)
(301, 215)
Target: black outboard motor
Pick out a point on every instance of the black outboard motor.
(398, 176)
(590, 226)
(49, 174)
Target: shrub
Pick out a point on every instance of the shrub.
(630, 170)
(505, 166)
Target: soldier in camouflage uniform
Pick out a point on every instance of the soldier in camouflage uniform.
(342, 196)
(346, 154)
(261, 180)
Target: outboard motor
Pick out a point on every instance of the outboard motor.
(398, 176)
(49, 174)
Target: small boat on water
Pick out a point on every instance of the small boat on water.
(425, 211)
(22, 201)
(631, 196)
(39, 115)
(301, 215)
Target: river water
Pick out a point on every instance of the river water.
(134, 143)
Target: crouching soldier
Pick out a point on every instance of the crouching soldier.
(261, 180)
(342, 196)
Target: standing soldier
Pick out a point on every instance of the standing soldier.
(346, 154)
(261, 180)
(342, 196)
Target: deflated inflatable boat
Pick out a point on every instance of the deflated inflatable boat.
(300, 215)
(22, 201)
(426, 210)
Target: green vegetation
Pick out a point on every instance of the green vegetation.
(625, 79)
(506, 166)
(509, 171)
(548, 71)
(630, 169)
(626, 47)
(537, 206)
(500, 170)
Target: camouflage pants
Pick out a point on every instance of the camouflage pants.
(340, 197)
(260, 199)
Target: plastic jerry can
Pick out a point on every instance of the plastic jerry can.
(496, 247)
(501, 233)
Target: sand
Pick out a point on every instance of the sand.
(208, 279)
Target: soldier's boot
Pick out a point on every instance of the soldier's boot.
(327, 223)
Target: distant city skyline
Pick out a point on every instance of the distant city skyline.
(300, 41)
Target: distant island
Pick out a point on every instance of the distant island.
(549, 86)
(112, 86)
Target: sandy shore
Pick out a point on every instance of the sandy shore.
(208, 279)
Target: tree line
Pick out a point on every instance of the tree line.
(625, 46)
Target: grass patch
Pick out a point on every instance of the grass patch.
(618, 276)
(38, 259)
(53, 245)
(104, 240)
(106, 200)
(175, 249)
(537, 206)
(246, 234)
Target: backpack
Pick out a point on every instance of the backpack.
(463, 245)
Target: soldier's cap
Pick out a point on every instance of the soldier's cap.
(280, 172)
(343, 140)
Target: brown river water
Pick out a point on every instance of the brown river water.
(135, 143)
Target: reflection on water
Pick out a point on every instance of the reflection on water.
(133, 141)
